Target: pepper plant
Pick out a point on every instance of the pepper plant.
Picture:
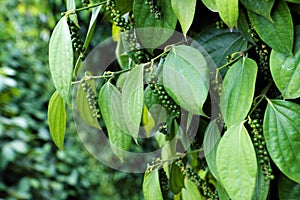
(214, 85)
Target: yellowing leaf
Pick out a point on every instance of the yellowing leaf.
(57, 119)
(228, 11)
(148, 121)
(115, 32)
(184, 11)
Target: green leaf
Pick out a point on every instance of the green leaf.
(190, 192)
(57, 119)
(61, 58)
(285, 70)
(186, 78)
(211, 5)
(154, 31)
(261, 186)
(92, 25)
(282, 35)
(262, 8)
(71, 5)
(222, 192)
(211, 140)
(151, 186)
(83, 106)
(221, 43)
(122, 57)
(184, 11)
(133, 99)
(176, 179)
(293, 1)
(111, 110)
(238, 91)
(228, 11)
(236, 162)
(288, 189)
(282, 135)
(124, 5)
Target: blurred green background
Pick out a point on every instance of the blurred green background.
(31, 167)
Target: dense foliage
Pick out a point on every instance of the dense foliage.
(31, 167)
(234, 63)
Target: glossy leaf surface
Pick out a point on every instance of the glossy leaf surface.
(282, 136)
(281, 37)
(238, 91)
(285, 70)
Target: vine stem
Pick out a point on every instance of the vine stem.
(109, 75)
(242, 54)
(69, 12)
(261, 97)
(161, 162)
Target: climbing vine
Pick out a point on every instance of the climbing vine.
(215, 84)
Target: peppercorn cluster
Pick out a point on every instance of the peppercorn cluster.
(220, 24)
(164, 183)
(135, 51)
(163, 98)
(154, 9)
(85, 2)
(202, 185)
(92, 100)
(116, 16)
(260, 145)
(263, 52)
(76, 41)
(163, 128)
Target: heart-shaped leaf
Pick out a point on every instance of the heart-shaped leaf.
(282, 136)
(282, 35)
(285, 70)
(186, 78)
